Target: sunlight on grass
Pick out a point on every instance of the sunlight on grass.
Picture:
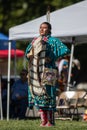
(34, 125)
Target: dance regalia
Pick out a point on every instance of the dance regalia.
(43, 72)
(43, 75)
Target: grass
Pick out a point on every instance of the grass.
(34, 125)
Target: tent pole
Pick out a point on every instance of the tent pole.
(48, 14)
(1, 110)
(70, 64)
(8, 85)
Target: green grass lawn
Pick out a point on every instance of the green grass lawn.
(34, 125)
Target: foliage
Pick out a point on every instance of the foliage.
(34, 124)
(19, 11)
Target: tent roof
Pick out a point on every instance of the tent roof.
(17, 53)
(4, 42)
(66, 23)
(3, 37)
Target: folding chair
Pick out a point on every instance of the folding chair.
(62, 106)
(67, 104)
(81, 98)
(85, 102)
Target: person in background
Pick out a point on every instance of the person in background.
(42, 54)
(19, 96)
(61, 62)
(75, 74)
(63, 73)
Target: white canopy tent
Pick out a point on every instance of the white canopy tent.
(67, 23)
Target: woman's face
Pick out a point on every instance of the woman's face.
(43, 30)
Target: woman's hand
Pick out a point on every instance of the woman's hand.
(30, 54)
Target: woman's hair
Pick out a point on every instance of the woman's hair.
(49, 26)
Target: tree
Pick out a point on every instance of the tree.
(19, 11)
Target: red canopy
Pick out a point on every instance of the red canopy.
(17, 52)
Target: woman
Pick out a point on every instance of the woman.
(42, 53)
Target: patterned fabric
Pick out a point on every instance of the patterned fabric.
(49, 77)
(54, 49)
(37, 67)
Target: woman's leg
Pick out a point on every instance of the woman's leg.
(50, 118)
(43, 116)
